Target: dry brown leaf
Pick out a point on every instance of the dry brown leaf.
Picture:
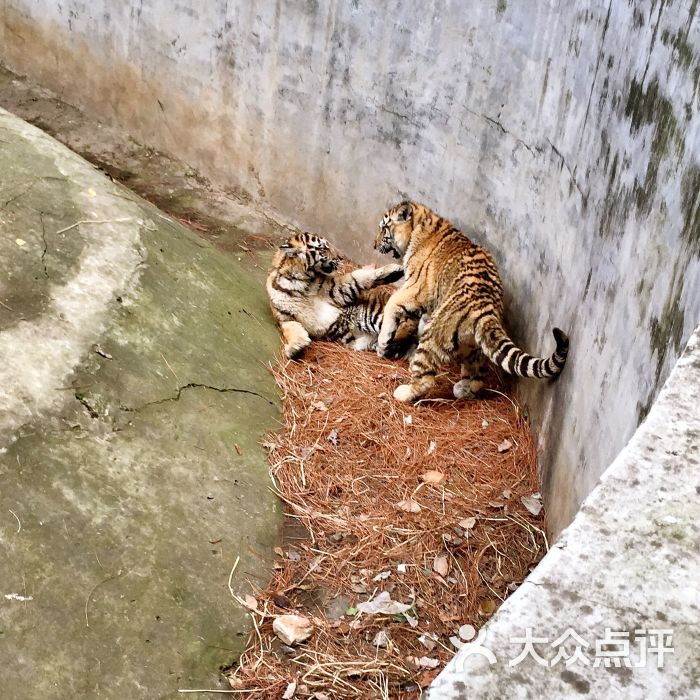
(409, 505)
(425, 679)
(488, 607)
(432, 476)
(532, 504)
(505, 446)
(467, 523)
(292, 629)
(250, 602)
(441, 564)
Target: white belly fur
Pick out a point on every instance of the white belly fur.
(325, 315)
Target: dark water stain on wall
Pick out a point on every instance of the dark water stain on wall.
(651, 107)
(690, 202)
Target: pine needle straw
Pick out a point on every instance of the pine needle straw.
(422, 502)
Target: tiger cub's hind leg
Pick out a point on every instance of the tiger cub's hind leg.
(424, 366)
(295, 338)
(473, 374)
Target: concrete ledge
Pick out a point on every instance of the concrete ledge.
(628, 563)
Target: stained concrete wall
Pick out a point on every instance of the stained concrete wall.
(564, 134)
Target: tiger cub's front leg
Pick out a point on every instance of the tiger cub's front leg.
(368, 278)
(401, 304)
(295, 337)
(347, 288)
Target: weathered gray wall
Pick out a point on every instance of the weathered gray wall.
(565, 134)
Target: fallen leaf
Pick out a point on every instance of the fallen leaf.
(351, 612)
(408, 420)
(281, 600)
(507, 493)
(484, 423)
(381, 639)
(428, 640)
(427, 662)
(319, 406)
(293, 554)
(250, 602)
(382, 576)
(384, 605)
(359, 588)
(413, 621)
(292, 629)
(467, 523)
(432, 477)
(532, 504)
(441, 564)
(279, 551)
(432, 447)
(409, 505)
(496, 504)
(487, 607)
(427, 677)
(289, 693)
(505, 446)
(333, 436)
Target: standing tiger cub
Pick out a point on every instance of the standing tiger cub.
(455, 284)
(311, 300)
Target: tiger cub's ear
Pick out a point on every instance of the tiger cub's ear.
(288, 249)
(404, 212)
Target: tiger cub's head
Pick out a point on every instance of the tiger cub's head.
(314, 253)
(396, 228)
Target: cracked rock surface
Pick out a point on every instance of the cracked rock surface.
(134, 395)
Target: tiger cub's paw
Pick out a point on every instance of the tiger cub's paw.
(392, 273)
(467, 388)
(404, 392)
(294, 350)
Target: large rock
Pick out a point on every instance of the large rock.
(134, 394)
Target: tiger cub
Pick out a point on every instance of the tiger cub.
(311, 300)
(455, 285)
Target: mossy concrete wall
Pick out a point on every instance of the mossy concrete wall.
(564, 135)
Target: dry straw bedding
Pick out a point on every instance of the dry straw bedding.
(420, 501)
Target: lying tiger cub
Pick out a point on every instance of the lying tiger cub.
(311, 300)
(455, 286)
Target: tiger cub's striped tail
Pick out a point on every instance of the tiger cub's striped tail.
(501, 350)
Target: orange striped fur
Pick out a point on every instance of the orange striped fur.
(453, 285)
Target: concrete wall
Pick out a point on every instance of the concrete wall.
(564, 134)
